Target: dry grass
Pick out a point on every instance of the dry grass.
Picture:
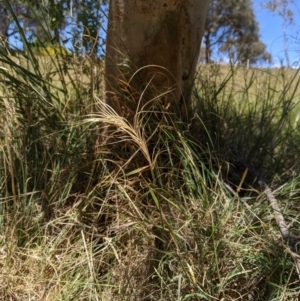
(147, 216)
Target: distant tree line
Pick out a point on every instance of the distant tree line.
(231, 27)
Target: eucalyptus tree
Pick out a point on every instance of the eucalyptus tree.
(152, 50)
(54, 22)
(231, 27)
(90, 16)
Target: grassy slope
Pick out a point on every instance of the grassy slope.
(145, 221)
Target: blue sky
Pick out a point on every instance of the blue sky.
(272, 34)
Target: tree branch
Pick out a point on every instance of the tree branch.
(284, 230)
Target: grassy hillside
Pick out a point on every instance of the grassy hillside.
(175, 217)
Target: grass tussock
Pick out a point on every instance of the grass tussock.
(148, 215)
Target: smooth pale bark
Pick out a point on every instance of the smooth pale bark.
(152, 48)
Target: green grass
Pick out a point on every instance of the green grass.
(145, 218)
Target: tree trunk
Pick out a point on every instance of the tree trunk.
(151, 54)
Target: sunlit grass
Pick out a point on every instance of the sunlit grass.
(153, 210)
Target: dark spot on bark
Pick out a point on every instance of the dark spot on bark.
(184, 76)
(165, 5)
(181, 100)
